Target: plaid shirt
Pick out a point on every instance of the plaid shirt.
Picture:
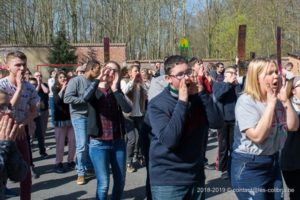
(109, 116)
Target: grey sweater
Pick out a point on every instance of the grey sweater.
(74, 96)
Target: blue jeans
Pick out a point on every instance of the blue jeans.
(83, 161)
(103, 154)
(178, 192)
(256, 177)
(52, 110)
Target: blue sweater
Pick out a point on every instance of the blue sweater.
(177, 150)
(226, 95)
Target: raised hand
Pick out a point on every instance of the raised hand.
(282, 91)
(201, 70)
(271, 95)
(19, 80)
(183, 91)
(194, 86)
(64, 85)
(21, 133)
(104, 72)
(8, 129)
(115, 82)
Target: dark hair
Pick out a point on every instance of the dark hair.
(91, 64)
(193, 61)
(172, 61)
(28, 70)
(32, 79)
(130, 67)
(138, 63)
(218, 64)
(114, 62)
(124, 71)
(56, 83)
(15, 54)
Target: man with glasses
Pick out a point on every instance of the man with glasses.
(226, 94)
(179, 117)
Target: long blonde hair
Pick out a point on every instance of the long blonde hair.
(255, 68)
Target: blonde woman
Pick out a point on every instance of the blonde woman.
(264, 114)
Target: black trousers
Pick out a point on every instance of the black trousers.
(292, 181)
(225, 140)
(39, 135)
(133, 126)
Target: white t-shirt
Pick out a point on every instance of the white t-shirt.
(51, 82)
(248, 113)
(29, 97)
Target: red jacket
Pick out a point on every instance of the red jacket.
(206, 84)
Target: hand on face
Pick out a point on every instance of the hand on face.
(282, 90)
(138, 78)
(104, 73)
(201, 70)
(271, 95)
(194, 86)
(8, 128)
(19, 79)
(183, 91)
(115, 81)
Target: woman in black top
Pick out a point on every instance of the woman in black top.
(63, 126)
(290, 159)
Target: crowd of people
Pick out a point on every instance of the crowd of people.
(116, 120)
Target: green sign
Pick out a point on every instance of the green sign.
(184, 48)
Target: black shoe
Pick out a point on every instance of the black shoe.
(71, 165)
(44, 155)
(34, 174)
(90, 173)
(209, 167)
(224, 175)
(59, 168)
(10, 193)
(142, 162)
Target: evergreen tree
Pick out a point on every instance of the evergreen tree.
(62, 52)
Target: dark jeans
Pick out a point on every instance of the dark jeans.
(145, 144)
(182, 192)
(133, 126)
(256, 177)
(25, 185)
(292, 181)
(225, 140)
(39, 135)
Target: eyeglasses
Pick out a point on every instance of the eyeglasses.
(232, 73)
(181, 75)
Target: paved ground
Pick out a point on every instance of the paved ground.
(52, 186)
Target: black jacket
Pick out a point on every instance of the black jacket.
(91, 95)
(12, 165)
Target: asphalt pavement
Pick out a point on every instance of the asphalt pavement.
(53, 186)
